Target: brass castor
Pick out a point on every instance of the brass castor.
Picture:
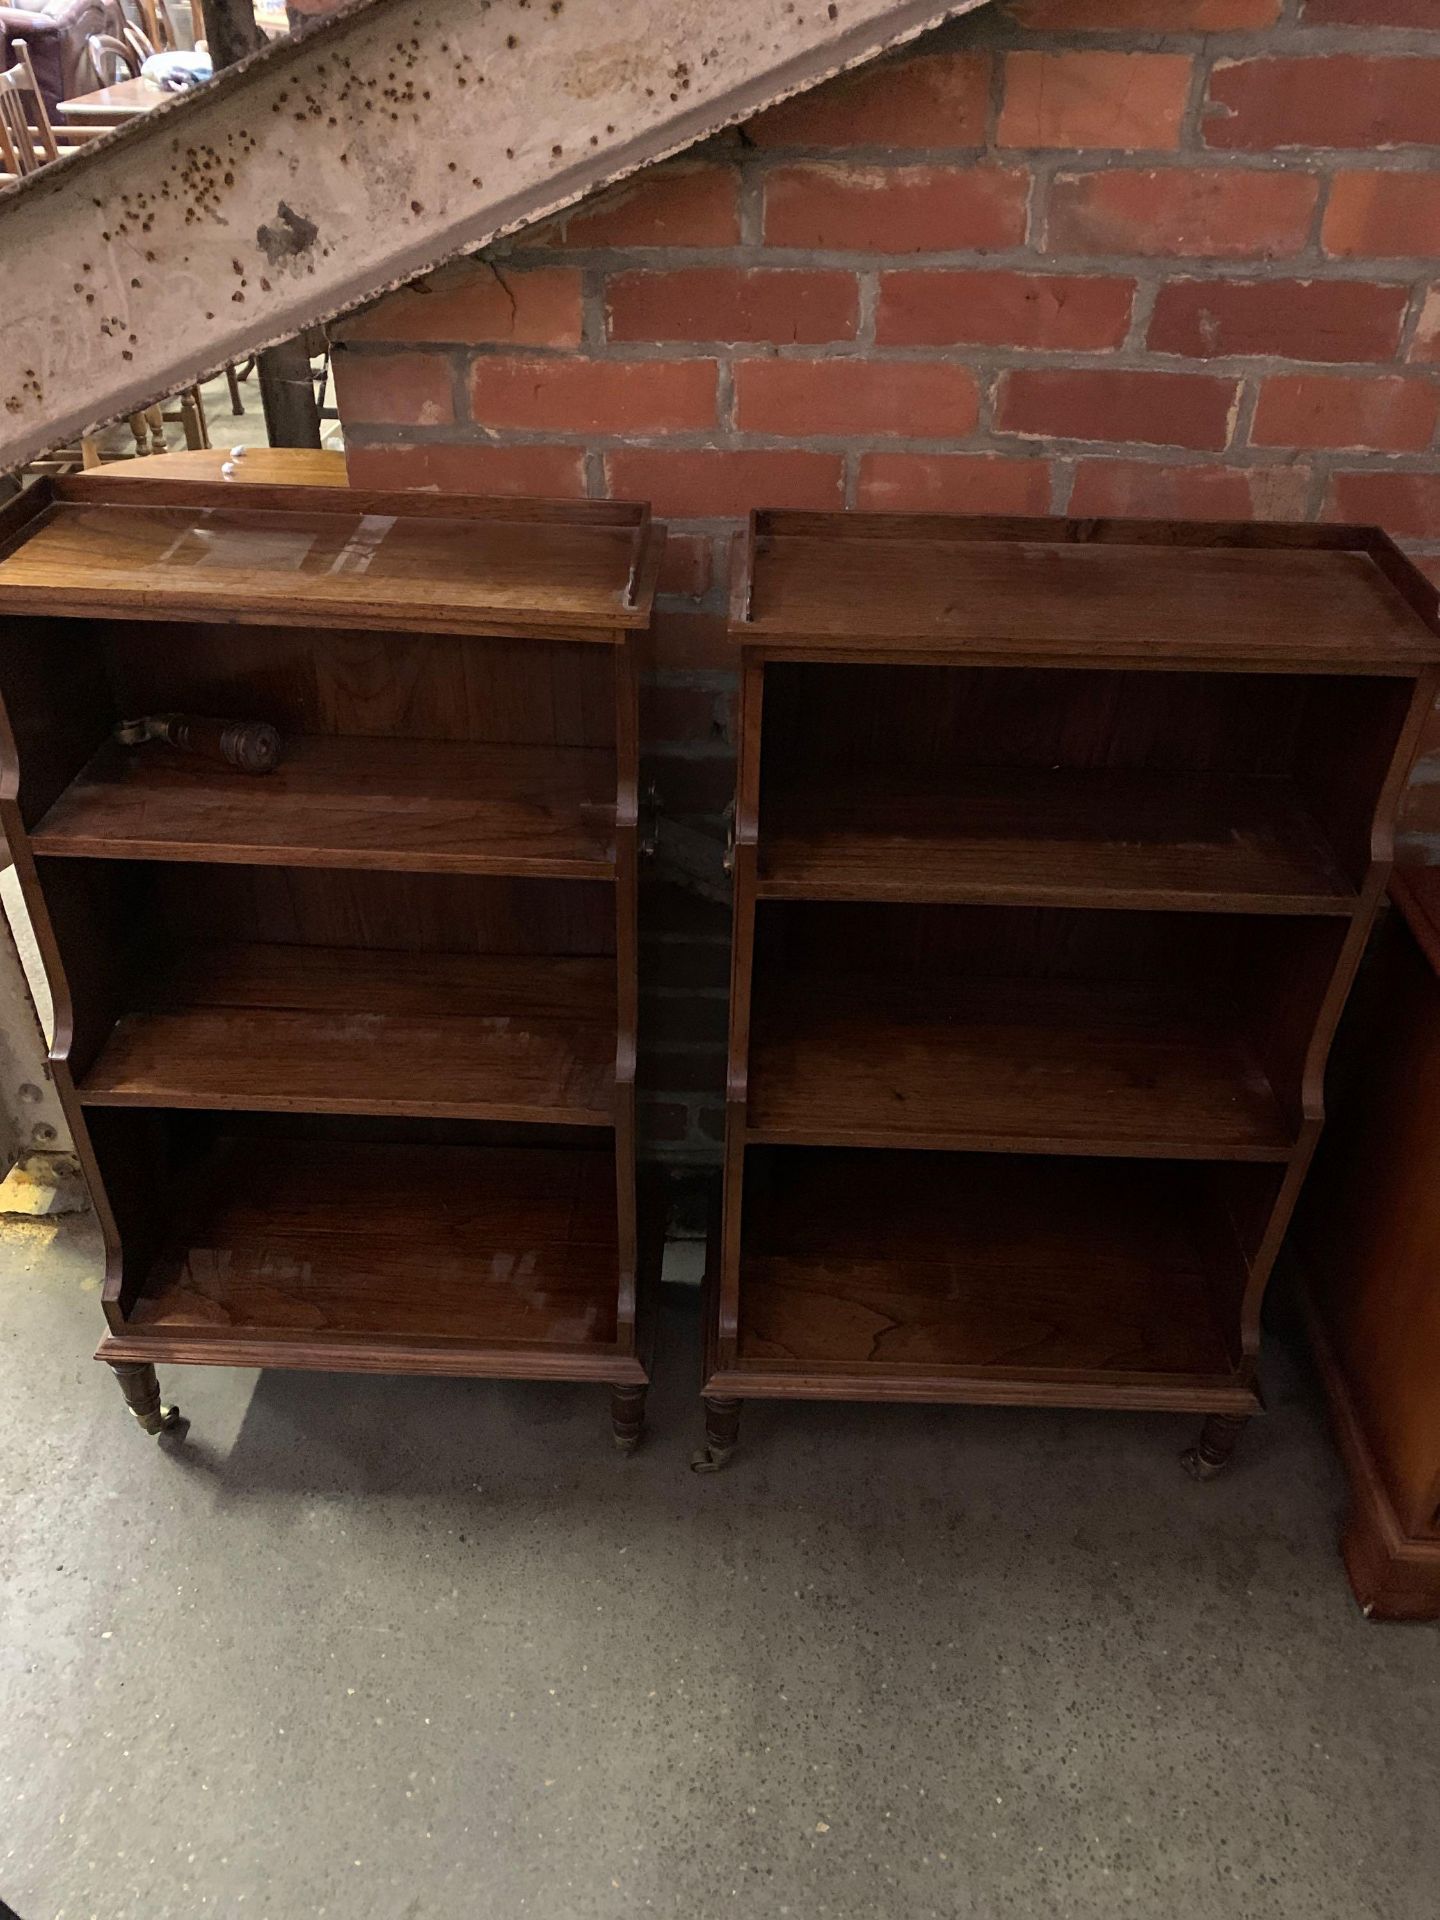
(141, 1388)
(627, 1417)
(722, 1430)
(710, 1459)
(1212, 1452)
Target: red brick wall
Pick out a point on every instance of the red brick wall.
(1087, 256)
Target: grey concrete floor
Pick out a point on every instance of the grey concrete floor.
(404, 1649)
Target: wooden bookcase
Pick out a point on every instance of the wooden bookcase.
(348, 1048)
(1056, 846)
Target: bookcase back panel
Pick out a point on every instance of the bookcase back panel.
(823, 721)
(408, 686)
(926, 947)
(414, 912)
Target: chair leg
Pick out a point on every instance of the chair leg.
(232, 380)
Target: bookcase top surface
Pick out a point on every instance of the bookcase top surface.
(332, 556)
(1083, 592)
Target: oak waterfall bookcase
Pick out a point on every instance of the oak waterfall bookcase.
(348, 1047)
(1056, 846)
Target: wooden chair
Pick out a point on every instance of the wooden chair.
(113, 59)
(28, 141)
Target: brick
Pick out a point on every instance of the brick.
(734, 305)
(692, 783)
(1155, 409)
(1159, 16)
(930, 100)
(674, 912)
(687, 564)
(394, 389)
(952, 483)
(1389, 414)
(695, 484)
(663, 1121)
(1425, 347)
(686, 715)
(473, 467)
(682, 1070)
(593, 396)
(1139, 489)
(921, 399)
(1301, 319)
(1420, 805)
(1367, 13)
(896, 209)
(939, 307)
(684, 641)
(1407, 504)
(471, 306)
(1131, 100)
(1383, 214)
(684, 206)
(1216, 213)
(688, 963)
(1333, 100)
(682, 1019)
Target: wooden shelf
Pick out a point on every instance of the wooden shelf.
(420, 563)
(1020, 1277)
(295, 1029)
(1024, 1066)
(285, 1240)
(1233, 597)
(1054, 837)
(420, 806)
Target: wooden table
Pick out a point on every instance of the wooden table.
(274, 466)
(126, 100)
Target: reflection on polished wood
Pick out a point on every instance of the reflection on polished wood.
(328, 554)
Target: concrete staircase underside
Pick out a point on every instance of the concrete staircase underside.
(327, 168)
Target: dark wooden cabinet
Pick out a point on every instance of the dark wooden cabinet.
(348, 1047)
(1056, 845)
(1366, 1257)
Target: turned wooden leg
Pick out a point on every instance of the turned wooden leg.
(1211, 1453)
(722, 1428)
(627, 1416)
(142, 1395)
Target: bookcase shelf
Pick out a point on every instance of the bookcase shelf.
(414, 806)
(294, 1029)
(1056, 836)
(347, 1047)
(280, 1242)
(1057, 844)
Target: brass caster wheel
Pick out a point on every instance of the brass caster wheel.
(626, 1442)
(1199, 1467)
(710, 1459)
(163, 1420)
